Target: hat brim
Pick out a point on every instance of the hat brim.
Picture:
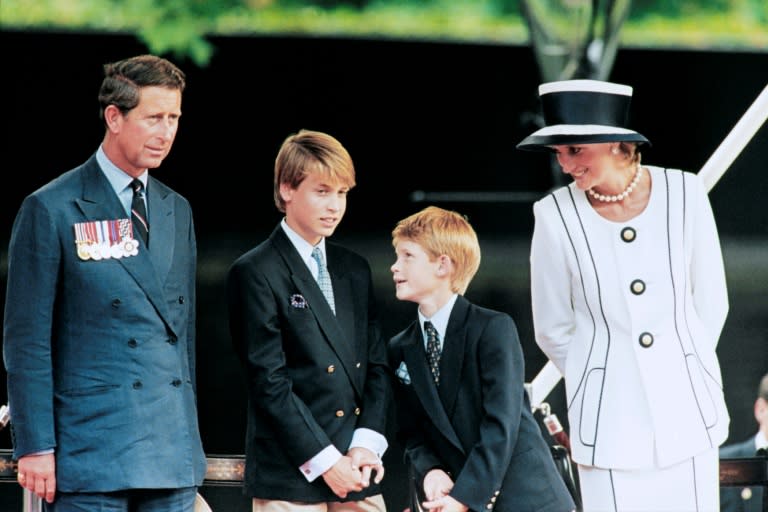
(564, 135)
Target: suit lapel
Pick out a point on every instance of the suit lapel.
(421, 380)
(345, 298)
(452, 357)
(307, 286)
(161, 237)
(99, 202)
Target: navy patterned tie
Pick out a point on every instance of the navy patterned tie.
(433, 350)
(324, 278)
(139, 211)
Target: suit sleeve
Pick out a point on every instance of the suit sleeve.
(33, 262)
(553, 316)
(710, 295)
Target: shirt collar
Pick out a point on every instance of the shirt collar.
(440, 318)
(303, 247)
(119, 179)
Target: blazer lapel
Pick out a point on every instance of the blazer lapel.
(307, 286)
(98, 201)
(452, 357)
(161, 236)
(421, 380)
(344, 320)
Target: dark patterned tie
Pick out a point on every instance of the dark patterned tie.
(433, 350)
(139, 211)
(324, 278)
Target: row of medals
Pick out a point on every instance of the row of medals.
(104, 239)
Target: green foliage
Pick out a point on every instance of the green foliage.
(181, 27)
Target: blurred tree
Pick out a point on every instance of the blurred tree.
(180, 26)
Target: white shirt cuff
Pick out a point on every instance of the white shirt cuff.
(320, 463)
(367, 438)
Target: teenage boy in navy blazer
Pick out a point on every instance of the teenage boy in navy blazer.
(316, 370)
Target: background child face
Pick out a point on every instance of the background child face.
(315, 207)
(414, 272)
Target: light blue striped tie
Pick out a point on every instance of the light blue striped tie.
(324, 278)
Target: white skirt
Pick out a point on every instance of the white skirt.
(693, 485)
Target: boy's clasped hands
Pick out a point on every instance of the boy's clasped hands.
(352, 472)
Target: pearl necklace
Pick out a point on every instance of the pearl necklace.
(619, 197)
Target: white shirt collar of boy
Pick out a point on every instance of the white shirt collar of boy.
(439, 320)
(304, 248)
(120, 181)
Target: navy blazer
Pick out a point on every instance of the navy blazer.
(312, 377)
(478, 425)
(736, 498)
(100, 354)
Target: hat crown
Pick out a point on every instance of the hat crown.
(583, 112)
(585, 102)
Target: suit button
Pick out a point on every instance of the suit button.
(132, 343)
(339, 413)
(176, 383)
(137, 384)
(357, 365)
(628, 235)
(746, 494)
(357, 411)
(489, 506)
(330, 368)
(116, 303)
(172, 340)
(646, 339)
(637, 286)
(181, 299)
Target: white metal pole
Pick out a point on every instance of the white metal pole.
(31, 503)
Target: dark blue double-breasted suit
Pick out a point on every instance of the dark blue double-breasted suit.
(100, 354)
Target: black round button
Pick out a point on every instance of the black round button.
(132, 343)
(172, 340)
(116, 303)
(181, 299)
(176, 383)
(646, 339)
(628, 234)
(637, 286)
(137, 384)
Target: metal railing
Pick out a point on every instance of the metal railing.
(229, 471)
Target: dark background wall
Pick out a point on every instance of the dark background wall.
(416, 116)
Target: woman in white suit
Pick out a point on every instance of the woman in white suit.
(629, 298)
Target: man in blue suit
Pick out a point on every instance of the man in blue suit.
(100, 317)
(748, 499)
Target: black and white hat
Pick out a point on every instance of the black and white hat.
(583, 112)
